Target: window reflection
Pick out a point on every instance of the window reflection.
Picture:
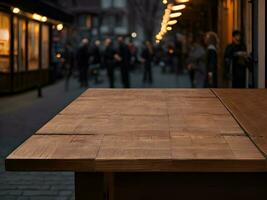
(45, 47)
(4, 42)
(19, 45)
(33, 45)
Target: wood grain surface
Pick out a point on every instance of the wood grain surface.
(141, 131)
(249, 107)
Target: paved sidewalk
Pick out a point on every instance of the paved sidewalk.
(21, 115)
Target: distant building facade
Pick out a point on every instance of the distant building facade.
(97, 19)
(27, 30)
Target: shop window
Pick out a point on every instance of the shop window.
(19, 45)
(4, 42)
(33, 45)
(45, 47)
(85, 21)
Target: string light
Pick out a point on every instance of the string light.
(16, 10)
(168, 17)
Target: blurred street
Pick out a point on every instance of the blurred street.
(23, 114)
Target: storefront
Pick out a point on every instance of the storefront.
(248, 16)
(26, 44)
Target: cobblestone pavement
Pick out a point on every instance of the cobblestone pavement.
(21, 115)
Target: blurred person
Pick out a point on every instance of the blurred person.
(236, 61)
(187, 48)
(179, 54)
(147, 58)
(134, 51)
(83, 57)
(96, 60)
(109, 59)
(196, 61)
(211, 42)
(123, 58)
(68, 58)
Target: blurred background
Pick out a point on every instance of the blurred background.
(53, 50)
(39, 42)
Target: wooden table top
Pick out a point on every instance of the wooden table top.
(249, 107)
(148, 130)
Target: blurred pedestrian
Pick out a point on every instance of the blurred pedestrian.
(133, 51)
(83, 57)
(147, 58)
(236, 61)
(179, 54)
(123, 58)
(96, 60)
(108, 58)
(196, 61)
(68, 58)
(211, 41)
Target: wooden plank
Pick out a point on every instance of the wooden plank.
(201, 116)
(125, 94)
(191, 93)
(55, 153)
(107, 125)
(249, 107)
(210, 147)
(125, 153)
(121, 107)
(62, 124)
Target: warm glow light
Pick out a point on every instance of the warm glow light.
(172, 22)
(157, 41)
(178, 7)
(44, 19)
(58, 55)
(167, 19)
(181, 1)
(60, 27)
(16, 10)
(37, 17)
(174, 15)
(158, 37)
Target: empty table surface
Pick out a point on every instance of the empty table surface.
(249, 107)
(147, 130)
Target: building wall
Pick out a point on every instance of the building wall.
(97, 19)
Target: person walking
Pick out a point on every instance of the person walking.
(211, 41)
(146, 58)
(68, 63)
(108, 58)
(123, 57)
(236, 61)
(83, 57)
(196, 61)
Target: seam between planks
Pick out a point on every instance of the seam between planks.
(237, 121)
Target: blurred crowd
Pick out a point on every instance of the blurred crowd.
(194, 54)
